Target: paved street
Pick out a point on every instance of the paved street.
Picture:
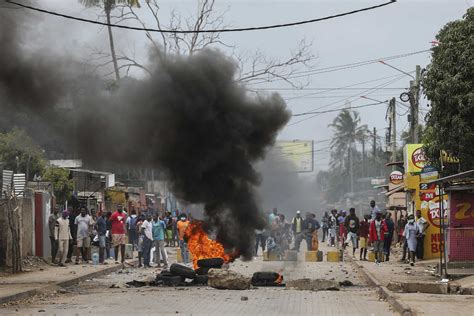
(89, 296)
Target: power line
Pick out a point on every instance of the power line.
(336, 110)
(256, 28)
(318, 71)
(372, 90)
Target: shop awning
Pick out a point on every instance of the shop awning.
(399, 188)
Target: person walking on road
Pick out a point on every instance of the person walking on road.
(83, 224)
(423, 226)
(182, 225)
(364, 237)
(51, 226)
(158, 230)
(352, 226)
(310, 226)
(118, 220)
(62, 233)
(169, 228)
(297, 229)
(387, 243)
(377, 230)
(412, 231)
(147, 230)
(73, 213)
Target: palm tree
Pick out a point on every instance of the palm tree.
(108, 6)
(347, 131)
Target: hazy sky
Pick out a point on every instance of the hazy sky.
(404, 27)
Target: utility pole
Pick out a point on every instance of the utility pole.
(393, 130)
(414, 105)
(374, 148)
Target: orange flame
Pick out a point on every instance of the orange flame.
(201, 246)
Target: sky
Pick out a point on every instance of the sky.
(403, 27)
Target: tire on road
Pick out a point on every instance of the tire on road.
(202, 271)
(178, 269)
(265, 276)
(201, 279)
(210, 263)
(171, 280)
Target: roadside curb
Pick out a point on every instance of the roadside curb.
(383, 291)
(63, 283)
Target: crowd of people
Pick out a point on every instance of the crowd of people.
(376, 231)
(148, 233)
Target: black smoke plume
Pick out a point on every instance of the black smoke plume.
(190, 118)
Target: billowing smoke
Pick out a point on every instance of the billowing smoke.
(286, 189)
(190, 118)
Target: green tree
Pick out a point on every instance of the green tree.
(449, 85)
(62, 185)
(347, 131)
(20, 153)
(108, 6)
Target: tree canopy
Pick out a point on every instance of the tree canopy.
(448, 85)
(20, 153)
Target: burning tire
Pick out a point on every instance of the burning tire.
(170, 280)
(178, 269)
(266, 279)
(202, 271)
(201, 279)
(210, 263)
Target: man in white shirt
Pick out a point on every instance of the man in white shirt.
(83, 224)
(420, 239)
(62, 234)
(374, 209)
(146, 230)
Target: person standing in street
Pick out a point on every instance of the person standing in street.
(169, 229)
(352, 226)
(72, 217)
(411, 231)
(387, 243)
(310, 226)
(423, 226)
(325, 224)
(101, 227)
(62, 233)
(52, 238)
(131, 225)
(118, 220)
(158, 231)
(332, 224)
(401, 228)
(377, 230)
(83, 224)
(260, 239)
(297, 229)
(373, 209)
(182, 225)
(364, 237)
(147, 240)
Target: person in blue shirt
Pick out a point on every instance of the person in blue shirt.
(158, 230)
(101, 227)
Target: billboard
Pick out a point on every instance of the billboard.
(299, 152)
(414, 158)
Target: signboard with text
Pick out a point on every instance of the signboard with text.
(461, 226)
(414, 158)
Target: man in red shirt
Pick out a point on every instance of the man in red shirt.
(377, 230)
(118, 220)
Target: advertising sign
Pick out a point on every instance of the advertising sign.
(429, 173)
(414, 158)
(299, 152)
(430, 210)
(396, 177)
(461, 230)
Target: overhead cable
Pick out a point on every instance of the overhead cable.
(241, 29)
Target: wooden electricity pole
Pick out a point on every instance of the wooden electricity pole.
(393, 131)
